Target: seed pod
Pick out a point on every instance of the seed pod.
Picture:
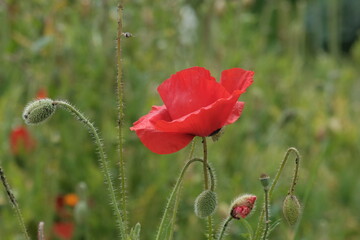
(205, 204)
(265, 180)
(38, 111)
(291, 209)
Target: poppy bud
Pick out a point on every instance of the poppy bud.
(291, 209)
(242, 206)
(205, 204)
(38, 111)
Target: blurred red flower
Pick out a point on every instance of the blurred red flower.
(194, 105)
(64, 230)
(41, 93)
(20, 139)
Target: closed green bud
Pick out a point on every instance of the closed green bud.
(291, 209)
(38, 111)
(205, 204)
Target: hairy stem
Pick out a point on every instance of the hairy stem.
(206, 181)
(276, 179)
(267, 220)
(177, 197)
(223, 229)
(176, 188)
(14, 204)
(120, 93)
(103, 162)
(206, 187)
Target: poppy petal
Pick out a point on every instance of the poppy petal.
(157, 141)
(189, 90)
(236, 113)
(236, 79)
(205, 121)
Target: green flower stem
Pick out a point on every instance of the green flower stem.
(206, 181)
(176, 188)
(103, 162)
(120, 93)
(14, 204)
(267, 214)
(273, 184)
(206, 187)
(177, 197)
(248, 228)
(223, 229)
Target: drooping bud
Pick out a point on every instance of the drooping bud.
(242, 206)
(38, 111)
(205, 204)
(291, 209)
(265, 180)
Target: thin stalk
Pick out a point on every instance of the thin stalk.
(206, 187)
(120, 93)
(223, 229)
(176, 188)
(103, 162)
(267, 220)
(248, 228)
(14, 204)
(177, 197)
(276, 179)
(206, 181)
(41, 235)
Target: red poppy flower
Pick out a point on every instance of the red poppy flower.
(41, 93)
(64, 230)
(194, 105)
(20, 138)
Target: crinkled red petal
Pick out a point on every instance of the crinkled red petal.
(236, 113)
(189, 90)
(236, 79)
(206, 120)
(156, 140)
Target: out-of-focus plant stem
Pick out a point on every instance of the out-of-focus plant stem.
(14, 204)
(120, 93)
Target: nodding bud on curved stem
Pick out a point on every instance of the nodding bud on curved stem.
(291, 209)
(205, 204)
(38, 111)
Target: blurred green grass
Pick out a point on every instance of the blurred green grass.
(300, 98)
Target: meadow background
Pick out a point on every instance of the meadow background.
(306, 94)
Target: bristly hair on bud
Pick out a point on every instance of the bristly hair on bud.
(205, 204)
(242, 206)
(291, 209)
(38, 111)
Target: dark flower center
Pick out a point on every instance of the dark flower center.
(215, 132)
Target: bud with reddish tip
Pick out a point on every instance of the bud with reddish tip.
(242, 206)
